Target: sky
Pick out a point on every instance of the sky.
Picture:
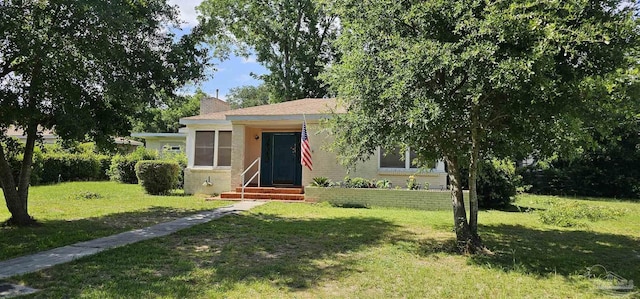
(228, 74)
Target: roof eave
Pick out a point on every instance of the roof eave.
(151, 135)
(186, 121)
(278, 117)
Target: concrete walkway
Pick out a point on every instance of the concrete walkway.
(50, 258)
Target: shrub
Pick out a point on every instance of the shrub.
(358, 183)
(609, 168)
(157, 177)
(497, 183)
(570, 214)
(383, 184)
(181, 159)
(122, 167)
(72, 167)
(412, 183)
(105, 164)
(321, 181)
(14, 150)
(52, 164)
(122, 170)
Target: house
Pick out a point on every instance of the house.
(176, 142)
(164, 142)
(265, 141)
(123, 144)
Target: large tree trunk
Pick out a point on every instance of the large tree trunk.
(16, 193)
(467, 242)
(463, 234)
(473, 174)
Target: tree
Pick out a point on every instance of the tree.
(609, 169)
(460, 80)
(83, 68)
(248, 96)
(292, 39)
(166, 119)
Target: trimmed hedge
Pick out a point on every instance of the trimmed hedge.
(157, 177)
(73, 167)
(123, 167)
(53, 167)
(181, 159)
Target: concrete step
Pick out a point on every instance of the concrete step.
(296, 190)
(266, 196)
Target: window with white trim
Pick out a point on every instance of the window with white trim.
(224, 148)
(397, 159)
(212, 148)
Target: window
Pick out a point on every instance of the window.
(212, 148)
(224, 148)
(397, 159)
(204, 148)
(172, 148)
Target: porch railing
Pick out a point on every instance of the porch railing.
(246, 183)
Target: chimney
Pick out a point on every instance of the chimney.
(213, 105)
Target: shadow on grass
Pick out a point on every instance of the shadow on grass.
(222, 256)
(511, 208)
(50, 234)
(562, 252)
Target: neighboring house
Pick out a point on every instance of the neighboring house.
(164, 142)
(49, 137)
(176, 142)
(222, 145)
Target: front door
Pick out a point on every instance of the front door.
(280, 163)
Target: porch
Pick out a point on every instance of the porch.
(267, 154)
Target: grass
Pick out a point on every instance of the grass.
(80, 211)
(281, 250)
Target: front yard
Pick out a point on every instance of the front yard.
(282, 250)
(81, 211)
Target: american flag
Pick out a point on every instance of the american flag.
(305, 156)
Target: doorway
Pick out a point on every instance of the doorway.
(280, 162)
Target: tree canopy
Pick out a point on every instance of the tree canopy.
(459, 80)
(248, 96)
(83, 68)
(292, 39)
(166, 119)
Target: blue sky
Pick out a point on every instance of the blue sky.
(228, 74)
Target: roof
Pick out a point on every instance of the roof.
(298, 107)
(13, 131)
(19, 133)
(159, 135)
(123, 140)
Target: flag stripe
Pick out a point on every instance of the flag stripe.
(305, 157)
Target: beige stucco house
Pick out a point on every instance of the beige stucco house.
(223, 145)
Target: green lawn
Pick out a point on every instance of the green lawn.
(284, 250)
(68, 214)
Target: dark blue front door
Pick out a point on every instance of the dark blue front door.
(280, 163)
